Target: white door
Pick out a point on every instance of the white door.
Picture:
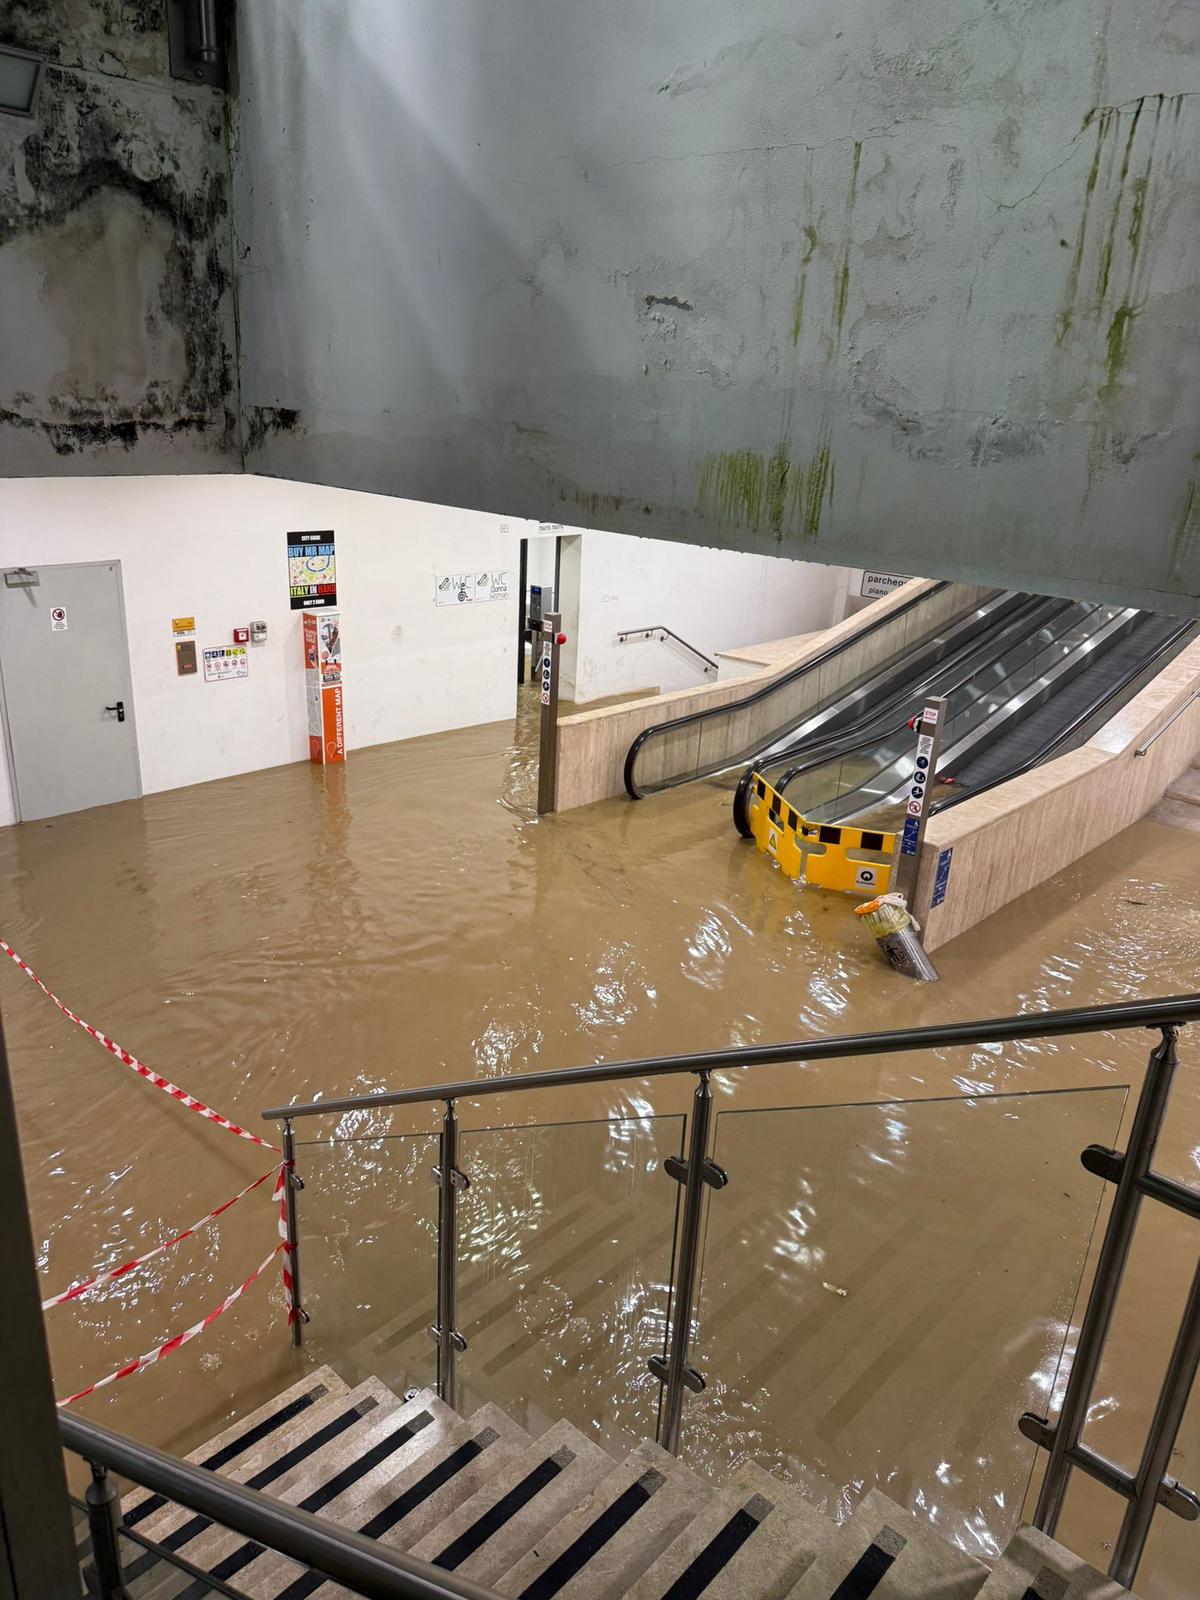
(64, 663)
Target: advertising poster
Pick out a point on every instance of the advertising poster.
(323, 688)
(312, 570)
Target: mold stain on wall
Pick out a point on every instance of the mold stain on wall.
(114, 257)
(1131, 175)
(789, 490)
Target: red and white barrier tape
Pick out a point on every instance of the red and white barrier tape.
(178, 1341)
(139, 1067)
(289, 1283)
(140, 1261)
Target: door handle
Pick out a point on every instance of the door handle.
(119, 708)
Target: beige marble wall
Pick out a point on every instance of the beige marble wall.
(592, 745)
(1016, 836)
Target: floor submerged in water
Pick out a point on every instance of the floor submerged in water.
(890, 1276)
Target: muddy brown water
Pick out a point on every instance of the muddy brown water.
(904, 1240)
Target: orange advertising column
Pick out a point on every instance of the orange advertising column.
(323, 685)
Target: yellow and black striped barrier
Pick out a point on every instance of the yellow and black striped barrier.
(825, 855)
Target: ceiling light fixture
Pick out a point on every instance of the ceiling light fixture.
(20, 77)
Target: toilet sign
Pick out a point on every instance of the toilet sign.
(58, 619)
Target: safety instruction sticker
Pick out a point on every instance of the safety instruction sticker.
(941, 877)
(58, 619)
(908, 839)
(226, 661)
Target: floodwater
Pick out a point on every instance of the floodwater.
(890, 1276)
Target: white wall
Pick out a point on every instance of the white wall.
(215, 547)
(716, 599)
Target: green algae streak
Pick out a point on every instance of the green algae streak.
(747, 489)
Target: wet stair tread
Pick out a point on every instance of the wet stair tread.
(269, 1421)
(1035, 1565)
(331, 1421)
(425, 1491)
(334, 1478)
(756, 1538)
(889, 1554)
(532, 1493)
(1186, 786)
(600, 1550)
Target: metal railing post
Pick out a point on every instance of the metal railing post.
(103, 1500)
(297, 1316)
(1160, 1441)
(675, 1372)
(450, 1343)
(1110, 1268)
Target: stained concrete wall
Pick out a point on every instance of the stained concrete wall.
(116, 306)
(912, 287)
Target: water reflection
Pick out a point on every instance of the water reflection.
(297, 933)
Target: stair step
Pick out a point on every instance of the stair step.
(1186, 787)
(330, 1422)
(407, 1506)
(889, 1554)
(267, 1422)
(601, 1549)
(1035, 1567)
(756, 1538)
(536, 1488)
(349, 1468)
(1176, 814)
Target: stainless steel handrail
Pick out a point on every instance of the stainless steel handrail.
(660, 627)
(1131, 1171)
(1174, 717)
(369, 1568)
(1169, 1010)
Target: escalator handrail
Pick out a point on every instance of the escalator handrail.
(1047, 750)
(861, 733)
(853, 738)
(1034, 694)
(756, 696)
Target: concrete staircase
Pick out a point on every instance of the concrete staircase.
(1180, 806)
(555, 1515)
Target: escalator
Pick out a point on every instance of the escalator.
(1039, 682)
(798, 703)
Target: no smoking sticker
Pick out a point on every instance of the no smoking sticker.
(58, 619)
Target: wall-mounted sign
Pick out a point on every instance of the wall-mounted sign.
(312, 570)
(470, 588)
(185, 657)
(226, 661)
(876, 584)
(323, 689)
(454, 589)
(490, 586)
(58, 619)
(182, 625)
(941, 878)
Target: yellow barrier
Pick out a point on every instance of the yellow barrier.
(825, 855)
